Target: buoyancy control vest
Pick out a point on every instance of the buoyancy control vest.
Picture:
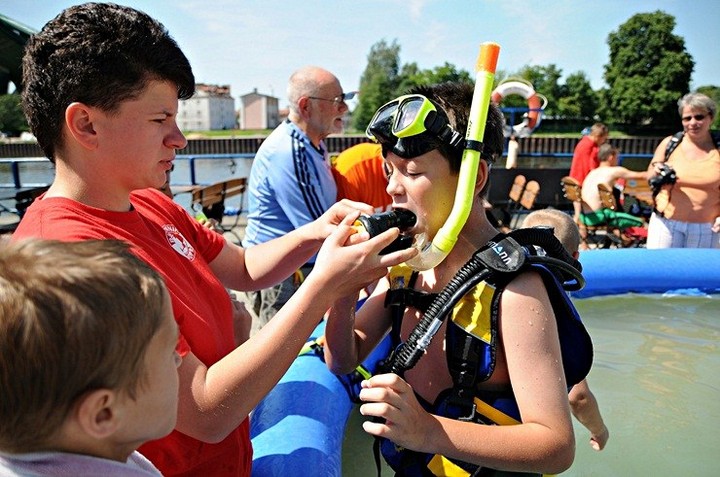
(472, 337)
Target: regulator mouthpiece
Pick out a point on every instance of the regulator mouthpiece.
(379, 223)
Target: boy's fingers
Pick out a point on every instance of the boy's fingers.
(386, 379)
(351, 217)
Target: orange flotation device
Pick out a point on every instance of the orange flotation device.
(536, 102)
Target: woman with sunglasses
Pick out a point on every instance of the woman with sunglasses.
(686, 167)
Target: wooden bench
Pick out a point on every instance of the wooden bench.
(211, 200)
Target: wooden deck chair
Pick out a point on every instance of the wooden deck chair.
(516, 191)
(527, 201)
(607, 198)
(211, 200)
(593, 236)
(630, 236)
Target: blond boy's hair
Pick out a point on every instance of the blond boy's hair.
(565, 228)
(74, 317)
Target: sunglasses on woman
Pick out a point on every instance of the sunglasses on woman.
(696, 117)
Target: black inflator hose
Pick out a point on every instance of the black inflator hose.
(502, 254)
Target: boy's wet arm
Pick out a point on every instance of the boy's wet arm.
(531, 349)
(351, 335)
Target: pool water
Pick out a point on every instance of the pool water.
(656, 376)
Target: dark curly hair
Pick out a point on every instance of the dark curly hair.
(99, 54)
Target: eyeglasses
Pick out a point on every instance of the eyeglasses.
(696, 117)
(398, 124)
(341, 98)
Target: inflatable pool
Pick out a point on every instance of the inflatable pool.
(298, 428)
(638, 270)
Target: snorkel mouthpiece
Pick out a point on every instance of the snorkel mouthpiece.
(436, 251)
(379, 223)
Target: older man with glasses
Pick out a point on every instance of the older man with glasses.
(290, 181)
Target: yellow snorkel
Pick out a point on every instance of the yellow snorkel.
(434, 253)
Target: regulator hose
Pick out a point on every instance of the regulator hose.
(503, 254)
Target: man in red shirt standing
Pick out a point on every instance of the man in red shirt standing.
(585, 156)
(585, 159)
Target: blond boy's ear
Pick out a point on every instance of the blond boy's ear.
(97, 414)
(79, 122)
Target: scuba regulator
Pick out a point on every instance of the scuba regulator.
(379, 223)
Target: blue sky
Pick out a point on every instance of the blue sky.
(257, 44)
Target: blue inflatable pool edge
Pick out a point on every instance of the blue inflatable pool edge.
(298, 429)
(638, 270)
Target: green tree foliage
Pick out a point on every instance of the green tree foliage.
(12, 119)
(714, 93)
(413, 76)
(649, 70)
(410, 76)
(577, 98)
(378, 82)
(384, 79)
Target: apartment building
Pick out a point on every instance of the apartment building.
(210, 108)
(259, 111)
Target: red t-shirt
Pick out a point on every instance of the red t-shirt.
(585, 159)
(166, 237)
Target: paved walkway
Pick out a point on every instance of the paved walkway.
(238, 232)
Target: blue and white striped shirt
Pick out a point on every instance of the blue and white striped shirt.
(290, 185)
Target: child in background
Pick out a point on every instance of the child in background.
(88, 368)
(583, 403)
(360, 175)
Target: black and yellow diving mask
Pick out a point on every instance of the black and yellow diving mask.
(411, 126)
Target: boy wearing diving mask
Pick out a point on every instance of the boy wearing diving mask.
(514, 321)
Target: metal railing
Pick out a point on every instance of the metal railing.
(249, 145)
(11, 170)
(17, 172)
